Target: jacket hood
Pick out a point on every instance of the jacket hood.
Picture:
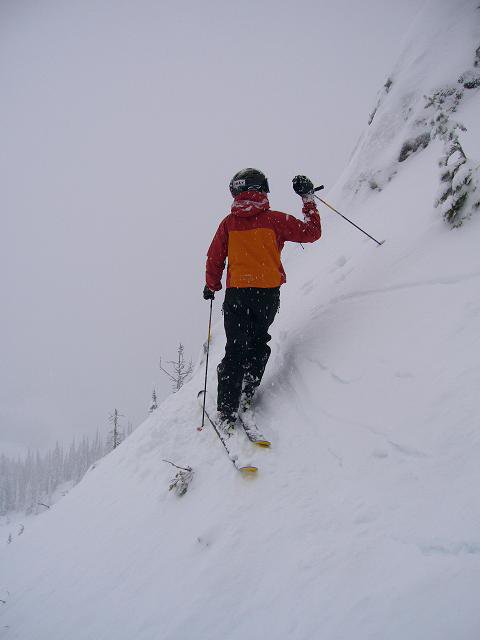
(250, 203)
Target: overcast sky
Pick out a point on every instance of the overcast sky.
(122, 124)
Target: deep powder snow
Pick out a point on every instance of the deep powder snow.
(363, 520)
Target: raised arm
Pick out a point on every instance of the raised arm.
(308, 230)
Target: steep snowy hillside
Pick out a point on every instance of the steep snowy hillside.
(362, 521)
(436, 78)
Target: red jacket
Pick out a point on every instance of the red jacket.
(252, 237)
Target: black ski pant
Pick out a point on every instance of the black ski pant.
(248, 314)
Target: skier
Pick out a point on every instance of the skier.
(251, 237)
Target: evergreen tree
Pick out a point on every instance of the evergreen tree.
(180, 370)
(116, 434)
(154, 404)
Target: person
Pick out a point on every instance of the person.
(252, 237)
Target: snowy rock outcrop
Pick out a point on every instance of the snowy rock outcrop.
(422, 100)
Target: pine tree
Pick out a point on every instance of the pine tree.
(154, 406)
(116, 435)
(180, 370)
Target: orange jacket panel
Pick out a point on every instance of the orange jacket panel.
(254, 259)
(252, 238)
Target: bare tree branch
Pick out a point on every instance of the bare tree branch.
(176, 465)
(165, 371)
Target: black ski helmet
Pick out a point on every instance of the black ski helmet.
(248, 180)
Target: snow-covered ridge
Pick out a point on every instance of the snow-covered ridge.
(436, 75)
(362, 522)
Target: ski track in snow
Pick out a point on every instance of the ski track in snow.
(446, 280)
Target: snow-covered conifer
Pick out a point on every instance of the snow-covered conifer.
(116, 434)
(180, 369)
(154, 405)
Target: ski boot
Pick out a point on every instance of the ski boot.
(226, 424)
(246, 410)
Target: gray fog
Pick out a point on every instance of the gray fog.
(122, 124)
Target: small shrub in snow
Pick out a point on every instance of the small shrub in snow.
(181, 482)
(470, 79)
(444, 99)
(458, 195)
(182, 479)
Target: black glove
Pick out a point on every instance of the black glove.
(302, 185)
(208, 294)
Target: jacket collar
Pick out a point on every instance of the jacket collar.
(250, 203)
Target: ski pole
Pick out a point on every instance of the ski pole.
(206, 366)
(345, 218)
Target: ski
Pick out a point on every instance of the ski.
(234, 458)
(253, 433)
(247, 420)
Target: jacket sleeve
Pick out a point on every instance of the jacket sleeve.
(216, 256)
(294, 230)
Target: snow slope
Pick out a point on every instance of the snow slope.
(363, 521)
